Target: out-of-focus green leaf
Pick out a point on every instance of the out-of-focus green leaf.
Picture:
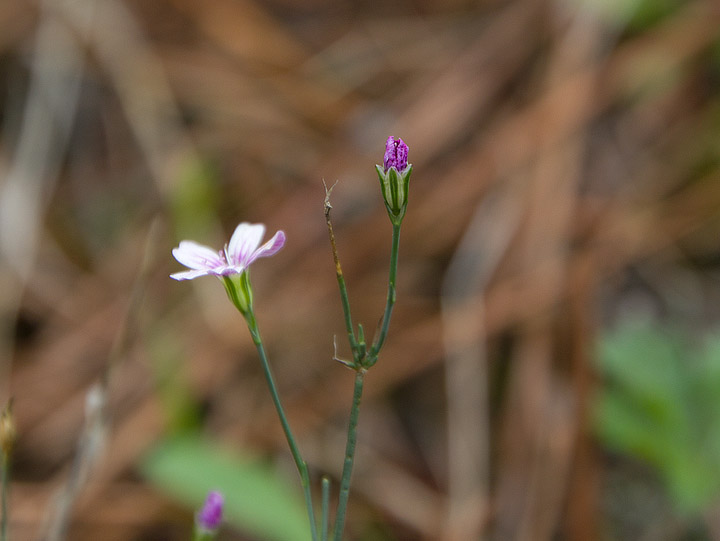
(257, 500)
(623, 425)
(661, 404)
(633, 14)
(652, 380)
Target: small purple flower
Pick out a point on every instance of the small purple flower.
(234, 259)
(396, 154)
(210, 516)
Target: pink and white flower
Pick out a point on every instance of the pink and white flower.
(238, 255)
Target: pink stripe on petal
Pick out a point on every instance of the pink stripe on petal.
(243, 243)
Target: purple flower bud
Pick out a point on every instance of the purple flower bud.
(394, 175)
(396, 154)
(210, 516)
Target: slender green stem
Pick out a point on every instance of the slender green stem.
(5, 486)
(390, 303)
(299, 462)
(325, 508)
(349, 455)
(339, 273)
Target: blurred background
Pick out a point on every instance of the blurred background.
(552, 370)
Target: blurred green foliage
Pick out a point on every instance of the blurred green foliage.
(257, 500)
(171, 382)
(661, 403)
(635, 15)
(195, 199)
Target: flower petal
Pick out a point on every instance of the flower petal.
(389, 158)
(271, 247)
(401, 155)
(243, 243)
(196, 256)
(189, 275)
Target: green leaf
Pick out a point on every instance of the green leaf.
(638, 15)
(660, 403)
(646, 364)
(257, 500)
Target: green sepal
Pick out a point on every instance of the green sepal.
(239, 291)
(394, 186)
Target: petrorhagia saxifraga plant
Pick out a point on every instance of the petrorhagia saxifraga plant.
(231, 266)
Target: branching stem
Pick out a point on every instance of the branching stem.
(363, 358)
